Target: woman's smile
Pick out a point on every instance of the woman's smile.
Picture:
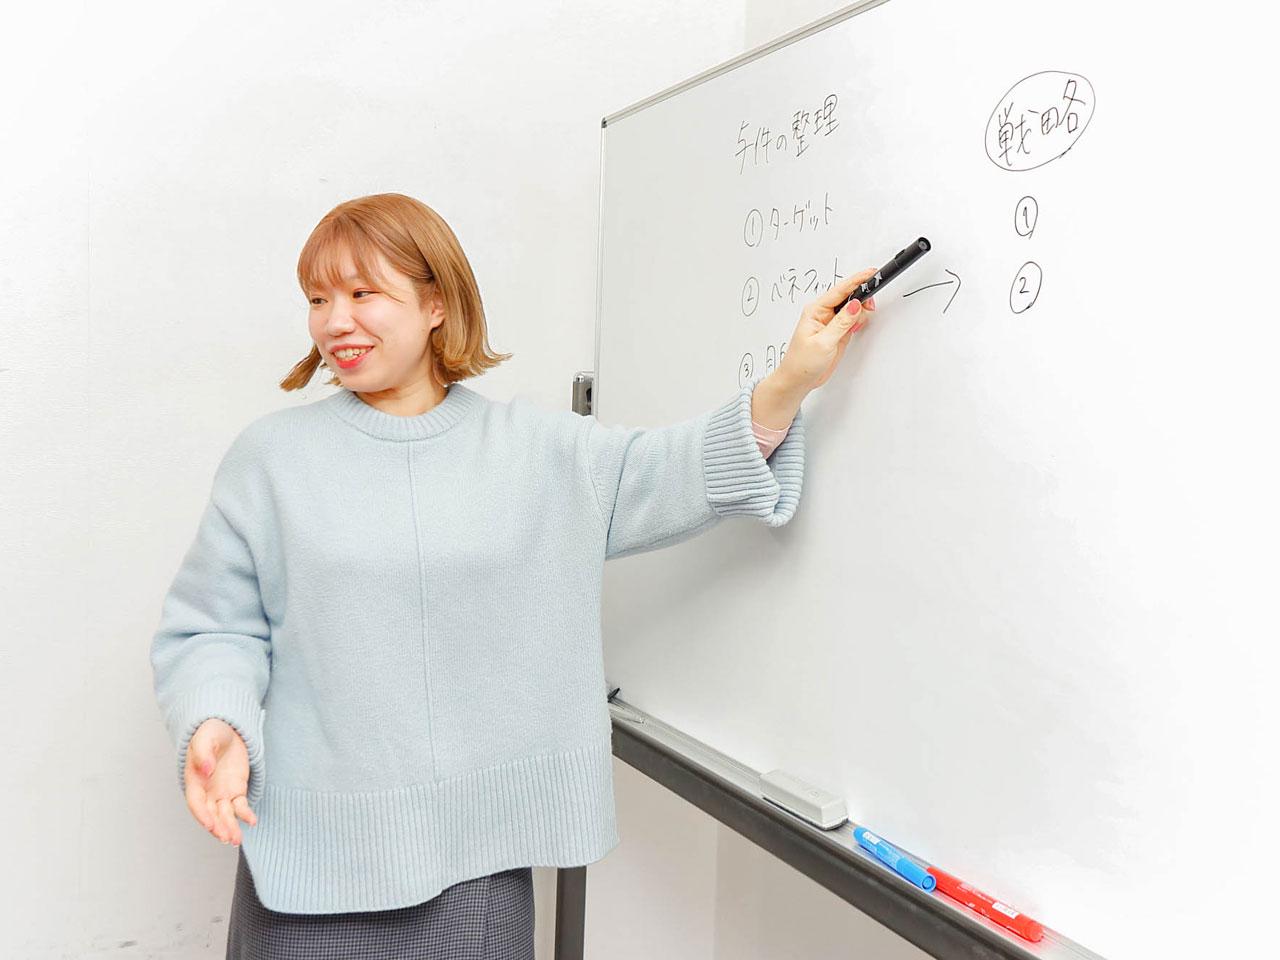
(352, 362)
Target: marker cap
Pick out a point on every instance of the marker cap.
(917, 874)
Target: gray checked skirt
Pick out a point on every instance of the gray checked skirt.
(487, 918)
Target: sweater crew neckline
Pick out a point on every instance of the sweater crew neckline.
(458, 401)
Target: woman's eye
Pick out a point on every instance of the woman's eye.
(356, 294)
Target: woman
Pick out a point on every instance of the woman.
(416, 571)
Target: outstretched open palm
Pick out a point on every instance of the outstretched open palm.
(216, 776)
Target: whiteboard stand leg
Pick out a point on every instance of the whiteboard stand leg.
(571, 912)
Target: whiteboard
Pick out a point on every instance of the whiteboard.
(1024, 617)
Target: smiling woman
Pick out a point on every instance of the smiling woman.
(386, 272)
(397, 587)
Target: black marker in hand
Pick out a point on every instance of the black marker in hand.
(901, 260)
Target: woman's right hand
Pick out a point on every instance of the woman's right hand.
(217, 779)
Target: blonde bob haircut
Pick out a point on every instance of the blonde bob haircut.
(415, 240)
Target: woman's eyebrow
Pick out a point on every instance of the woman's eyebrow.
(348, 278)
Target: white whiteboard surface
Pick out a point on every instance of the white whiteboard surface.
(1024, 617)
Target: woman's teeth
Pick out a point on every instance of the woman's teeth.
(349, 354)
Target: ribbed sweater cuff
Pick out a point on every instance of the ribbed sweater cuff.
(739, 479)
(227, 702)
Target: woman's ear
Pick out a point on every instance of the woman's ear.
(435, 306)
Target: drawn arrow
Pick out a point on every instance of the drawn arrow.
(944, 283)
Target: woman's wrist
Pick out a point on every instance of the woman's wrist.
(776, 401)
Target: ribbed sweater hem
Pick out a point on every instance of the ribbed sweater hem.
(329, 852)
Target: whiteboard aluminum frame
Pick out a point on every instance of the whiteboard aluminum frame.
(729, 791)
(766, 48)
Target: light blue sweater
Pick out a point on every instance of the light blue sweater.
(415, 601)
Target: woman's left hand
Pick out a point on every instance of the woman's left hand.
(821, 336)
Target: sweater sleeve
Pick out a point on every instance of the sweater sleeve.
(211, 654)
(657, 487)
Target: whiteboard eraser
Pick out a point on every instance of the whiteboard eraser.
(820, 807)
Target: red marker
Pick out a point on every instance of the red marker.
(989, 907)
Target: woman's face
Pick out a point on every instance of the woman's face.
(385, 318)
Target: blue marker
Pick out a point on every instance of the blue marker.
(895, 858)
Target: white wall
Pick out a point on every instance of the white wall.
(161, 167)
